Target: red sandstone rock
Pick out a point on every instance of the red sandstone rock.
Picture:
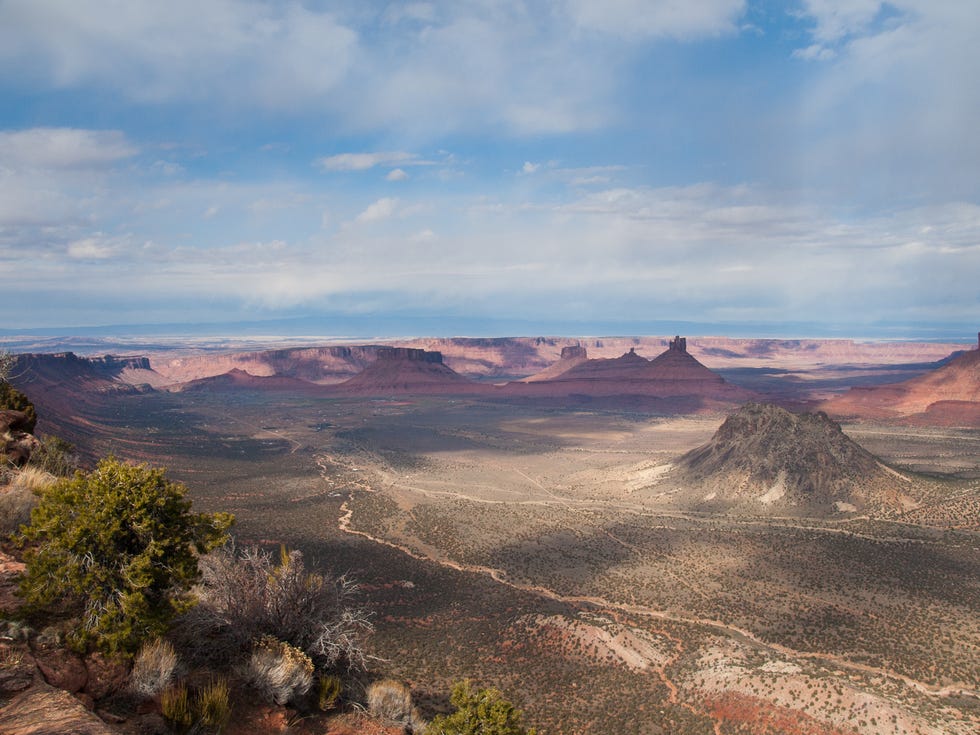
(60, 667)
(44, 710)
(948, 395)
(106, 675)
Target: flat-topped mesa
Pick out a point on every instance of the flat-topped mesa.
(391, 354)
(678, 344)
(574, 352)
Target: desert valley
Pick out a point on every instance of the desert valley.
(624, 535)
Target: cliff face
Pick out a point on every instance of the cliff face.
(947, 395)
(324, 365)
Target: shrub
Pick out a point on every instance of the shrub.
(390, 700)
(119, 547)
(154, 669)
(245, 597)
(483, 712)
(175, 706)
(211, 704)
(279, 671)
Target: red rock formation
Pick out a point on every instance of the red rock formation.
(948, 395)
(571, 356)
(405, 371)
(671, 374)
(236, 379)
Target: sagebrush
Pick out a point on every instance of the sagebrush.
(154, 668)
(280, 672)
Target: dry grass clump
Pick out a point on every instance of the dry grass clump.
(154, 669)
(328, 691)
(279, 671)
(17, 497)
(175, 706)
(211, 704)
(391, 700)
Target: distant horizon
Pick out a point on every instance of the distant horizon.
(366, 329)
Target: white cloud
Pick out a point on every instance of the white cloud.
(837, 19)
(382, 209)
(419, 69)
(396, 174)
(63, 148)
(96, 247)
(180, 49)
(530, 168)
(892, 114)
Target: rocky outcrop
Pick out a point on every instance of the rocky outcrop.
(764, 459)
(45, 710)
(17, 443)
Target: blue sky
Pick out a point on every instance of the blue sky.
(559, 164)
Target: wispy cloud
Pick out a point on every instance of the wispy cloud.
(365, 161)
(63, 148)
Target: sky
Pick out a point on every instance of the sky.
(423, 166)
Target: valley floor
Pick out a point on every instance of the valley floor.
(528, 548)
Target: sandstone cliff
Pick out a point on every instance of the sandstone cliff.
(948, 395)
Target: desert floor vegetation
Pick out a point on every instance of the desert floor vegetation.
(464, 523)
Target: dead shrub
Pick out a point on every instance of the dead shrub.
(279, 671)
(154, 669)
(245, 597)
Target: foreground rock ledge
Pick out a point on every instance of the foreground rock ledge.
(44, 710)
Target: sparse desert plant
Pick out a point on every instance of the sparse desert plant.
(279, 671)
(119, 547)
(390, 700)
(55, 456)
(175, 706)
(479, 712)
(16, 503)
(245, 596)
(211, 704)
(328, 690)
(155, 667)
